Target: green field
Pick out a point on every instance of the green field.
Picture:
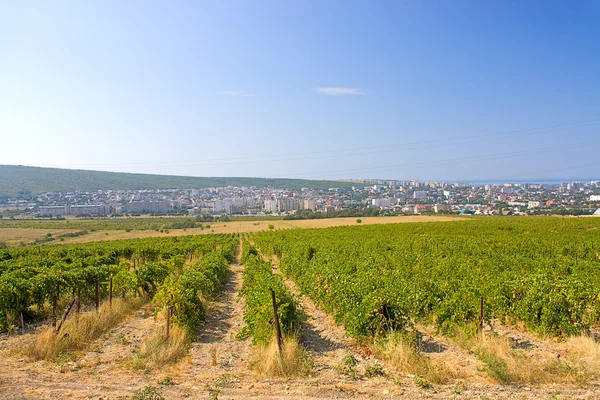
(544, 272)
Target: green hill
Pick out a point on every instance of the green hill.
(24, 182)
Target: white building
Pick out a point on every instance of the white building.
(308, 204)
(385, 202)
(534, 204)
(420, 195)
(89, 210)
(408, 209)
(74, 210)
(139, 207)
(288, 204)
(595, 197)
(52, 210)
(517, 204)
(222, 206)
(242, 202)
(438, 208)
(270, 205)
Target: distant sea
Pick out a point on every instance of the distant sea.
(543, 181)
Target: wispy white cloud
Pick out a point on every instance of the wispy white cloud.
(237, 93)
(339, 91)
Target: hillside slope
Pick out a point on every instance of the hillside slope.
(23, 181)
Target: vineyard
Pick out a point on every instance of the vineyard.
(542, 272)
(467, 302)
(32, 278)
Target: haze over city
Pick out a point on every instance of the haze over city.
(337, 90)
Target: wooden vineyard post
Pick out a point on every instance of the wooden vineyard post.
(64, 318)
(22, 323)
(54, 316)
(168, 321)
(97, 295)
(277, 326)
(110, 293)
(480, 324)
(78, 300)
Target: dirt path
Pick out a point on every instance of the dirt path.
(217, 352)
(327, 342)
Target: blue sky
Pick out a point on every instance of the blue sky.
(443, 90)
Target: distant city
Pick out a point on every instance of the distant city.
(373, 197)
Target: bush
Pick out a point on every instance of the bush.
(185, 294)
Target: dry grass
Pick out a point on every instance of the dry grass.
(506, 364)
(586, 347)
(329, 222)
(248, 226)
(213, 356)
(78, 332)
(401, 353)
(293, 362)
(14, 236)
(158, 351)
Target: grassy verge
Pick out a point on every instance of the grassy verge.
(505, 363)
(78, 331)
(293, 361)
(158, 351)
(402, 353)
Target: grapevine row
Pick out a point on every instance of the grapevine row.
(259, 280)
(35, 276)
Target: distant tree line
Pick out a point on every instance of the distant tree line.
(563, 211)
(350, 212)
